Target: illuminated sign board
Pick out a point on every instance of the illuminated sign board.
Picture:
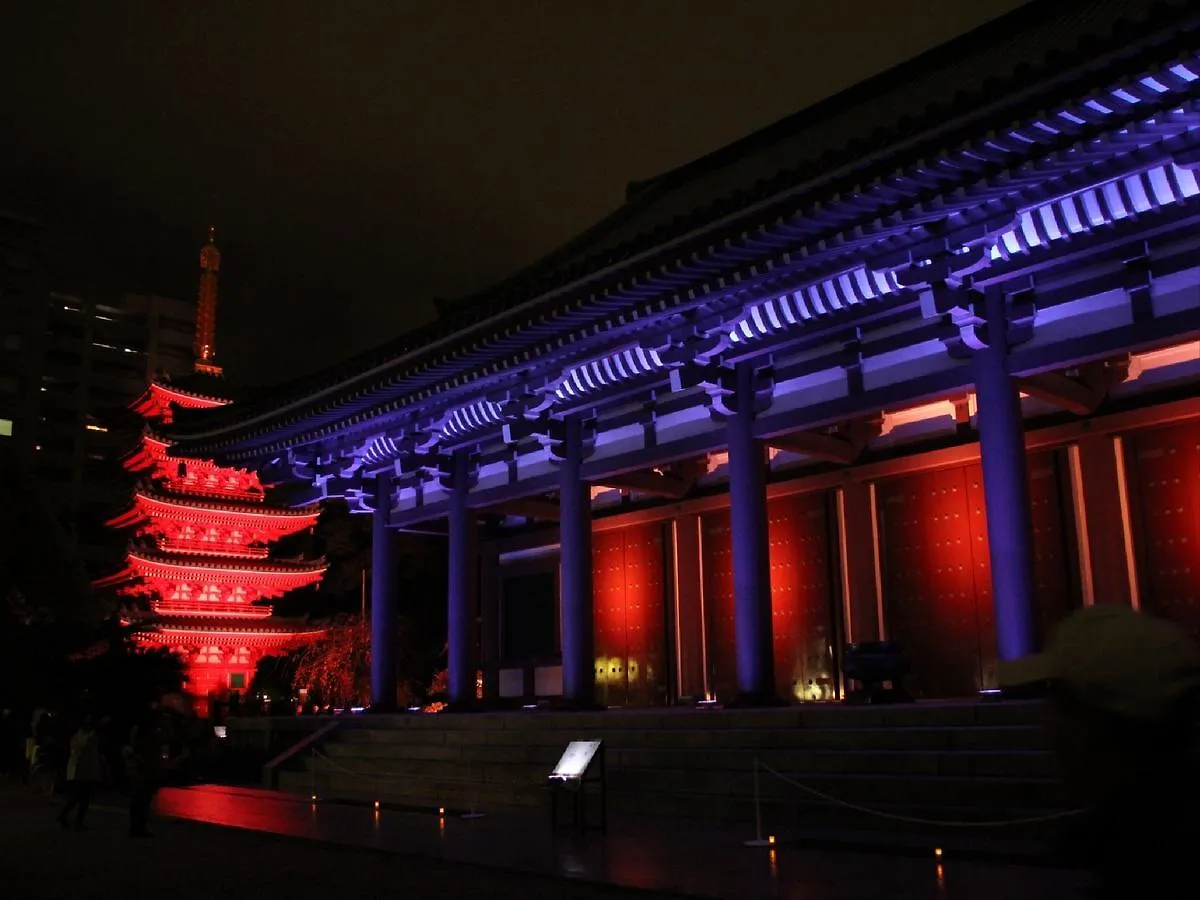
(575, 760)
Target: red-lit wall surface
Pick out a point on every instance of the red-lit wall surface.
(937, 571)
(629, 587)
(1163, 472)
(1055, 551)
(801, 592)
(716, 554)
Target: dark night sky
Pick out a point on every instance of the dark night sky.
(359, 159)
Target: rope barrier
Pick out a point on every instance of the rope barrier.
(365, 776)
(376, 777)
(896, 817)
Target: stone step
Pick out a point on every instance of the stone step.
(814, 716)
(536, 762)
(1015, 737)
(810, 815)
(954, 762)
(1031, 763)
(985, 792)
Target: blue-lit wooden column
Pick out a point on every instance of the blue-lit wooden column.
(1005, 485)
(460, 631)
(751, 561)
(383, 600)
(575, 542)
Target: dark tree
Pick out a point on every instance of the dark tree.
(42, 577)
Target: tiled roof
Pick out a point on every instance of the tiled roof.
(1012, 67)
(231, 506)
(239, 564)
(265, 626)
(954, 82)
(210, 387)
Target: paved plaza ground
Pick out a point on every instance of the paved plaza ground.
(345, 852)
(186, 860)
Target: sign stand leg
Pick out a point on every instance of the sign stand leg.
(575, 770)
(758, 841)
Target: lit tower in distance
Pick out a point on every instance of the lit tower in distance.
(200, 562)
(206, 307)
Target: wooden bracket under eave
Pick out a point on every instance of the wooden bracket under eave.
(1079, 390)
(841, 445)
(670, 487)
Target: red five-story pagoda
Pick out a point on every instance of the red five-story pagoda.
(201, 556)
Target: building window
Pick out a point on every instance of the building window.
(6, 427)
(237, 681)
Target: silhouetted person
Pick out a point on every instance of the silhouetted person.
(1123, 690)
(84, 773)
(25, 731)
(47, 755)
(144, 761)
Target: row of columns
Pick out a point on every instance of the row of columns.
(1002, 443)
(575, 514)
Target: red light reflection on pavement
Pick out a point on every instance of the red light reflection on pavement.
(685, 857)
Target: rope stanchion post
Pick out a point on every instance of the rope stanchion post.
(312, 776)
(473, 812)
(759, 840)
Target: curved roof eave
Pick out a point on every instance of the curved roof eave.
(354, 377)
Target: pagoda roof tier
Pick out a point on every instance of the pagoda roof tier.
(176, 506)
(146, 453)
(191, 392)
(813, 227)
(148, 563)
(234, 612)
(210, 386)
(196, 477)
(274, 629)
(114, 579)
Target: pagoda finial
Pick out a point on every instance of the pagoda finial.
(205, 347)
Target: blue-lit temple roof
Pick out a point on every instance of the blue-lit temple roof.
(805, 221)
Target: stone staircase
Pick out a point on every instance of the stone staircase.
(951, 761)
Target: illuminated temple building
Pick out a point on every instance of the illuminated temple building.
(201, 557)
(917, 363)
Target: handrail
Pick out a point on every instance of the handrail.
(271, 769)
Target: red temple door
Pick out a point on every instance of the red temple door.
(717, 559)
(1164, 476)
(1055, 565)
(630, 633)
(934, 557)
(608, 592)
(801, 593)
(937, 570)
(645, 616)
